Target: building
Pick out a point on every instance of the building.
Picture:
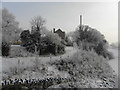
(60, 33)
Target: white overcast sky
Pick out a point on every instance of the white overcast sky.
(65, 15)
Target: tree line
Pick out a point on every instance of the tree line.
(41, 41)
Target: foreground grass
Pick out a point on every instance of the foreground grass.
(85, 69)
(88, 67)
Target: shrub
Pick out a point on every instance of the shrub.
(25, 38)
(92, 64)
(18, 51)
(5, 49)
(28, 40)
(50, 43)
(55, 43)
(88, 38)
(61, 49)
(107, 54)
(87, 64)
(104, 52)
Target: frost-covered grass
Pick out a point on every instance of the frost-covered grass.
(85, 65)
(18, 51)
(16, 67)
(114, 62)
(88, 65)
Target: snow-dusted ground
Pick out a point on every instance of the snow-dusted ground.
(25, 62)
(114, 62)
(28, 61)
(7, 63)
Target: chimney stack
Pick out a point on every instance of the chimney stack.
(80, 20)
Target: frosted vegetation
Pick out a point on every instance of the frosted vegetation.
(84, 64)
(82, 68)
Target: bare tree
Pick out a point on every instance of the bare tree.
(37, 24)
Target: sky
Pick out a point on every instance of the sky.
(102, 16)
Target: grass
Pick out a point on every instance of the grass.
(88, 65)
(83, 66)
(18, 51)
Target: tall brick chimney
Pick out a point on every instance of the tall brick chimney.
(80, 27)
(80, 20)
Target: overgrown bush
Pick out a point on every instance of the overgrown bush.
(87, 64)
(55, 42)
(29, 41)
(50, 43)
(5, 49)
(18, 51)
(88, 38)
(92, 64)
(105, 53)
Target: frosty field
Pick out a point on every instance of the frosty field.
(24, 67)
(28, 63)
(8, 63)
(114, 62)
